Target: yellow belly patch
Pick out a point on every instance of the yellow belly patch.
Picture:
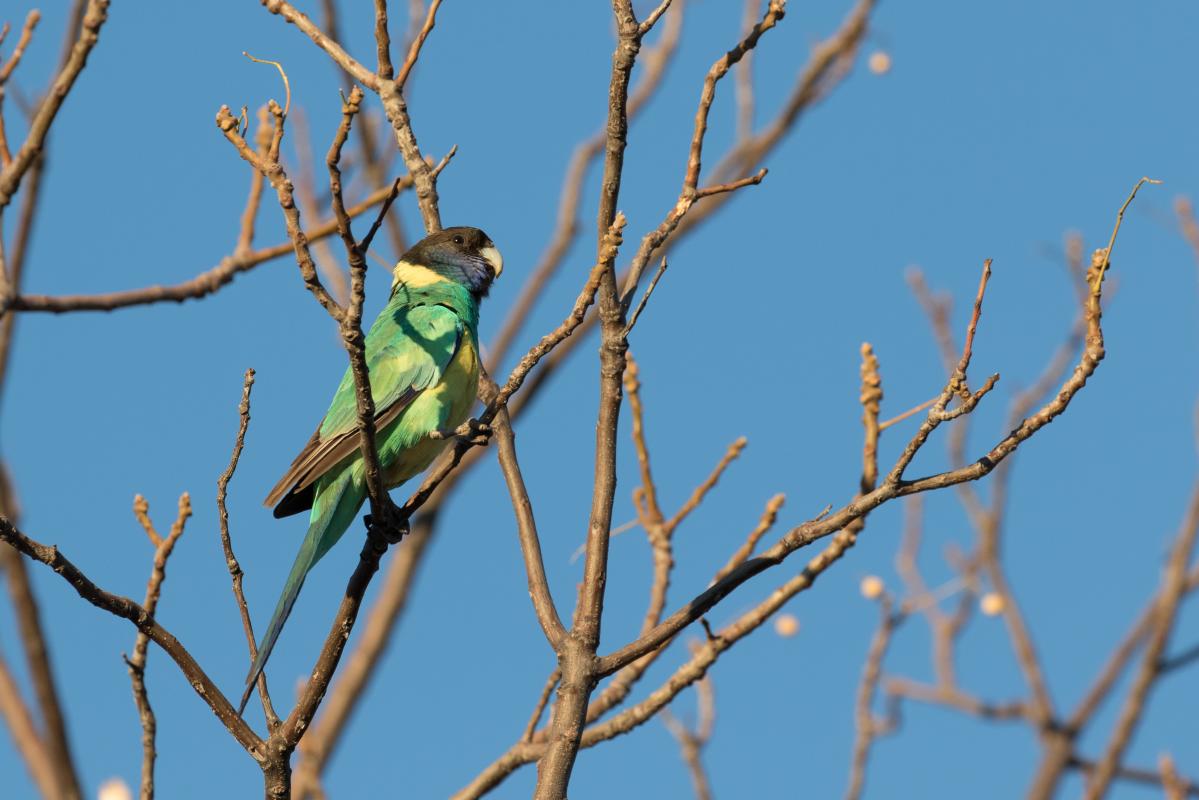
(454, 395)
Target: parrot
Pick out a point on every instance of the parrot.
(422, 353)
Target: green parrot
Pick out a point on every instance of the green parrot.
(423, 356)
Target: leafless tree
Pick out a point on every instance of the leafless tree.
(588, 694)
(982, 582)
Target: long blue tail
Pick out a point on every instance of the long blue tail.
(335, 507)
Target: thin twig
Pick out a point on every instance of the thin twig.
(274, 172)
(41, 674)
(145, 622)
(1173, 588)
(1140, 775)
(892, 487)
(31, 20)
(417, 43)
(691, 671)
(765, 523)
(829, 63)
(542, 701)
(743, 87)
(927, 404)
(328, 264)
(1187, 223)
(6, 70)
(955, 698)
(282, 74)
(649, 290)
(137, 662)
(1175, 787)
(141, 510)
(653, 63)
(334, 50)
(39, 125)
(24, 732)
(526, 525)
(202, 285)
(692, 741)
(1119, 219)
(690, 191)
(716, 643)
(262, 141)
(868, 727)
(231, 562)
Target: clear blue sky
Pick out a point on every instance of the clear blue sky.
(1000, 127)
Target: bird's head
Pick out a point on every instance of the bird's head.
(466, 256)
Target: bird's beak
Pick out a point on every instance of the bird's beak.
(493, 259)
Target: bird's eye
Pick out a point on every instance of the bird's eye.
(459, 240)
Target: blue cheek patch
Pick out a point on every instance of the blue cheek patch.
(477, 277)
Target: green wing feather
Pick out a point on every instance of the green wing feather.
(408, 349)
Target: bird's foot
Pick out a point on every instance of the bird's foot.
(471, 432)
(391, 525)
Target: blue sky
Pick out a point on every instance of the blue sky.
(999, 128)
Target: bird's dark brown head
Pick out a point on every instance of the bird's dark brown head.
(464, 255)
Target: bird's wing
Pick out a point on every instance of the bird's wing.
(407, 351)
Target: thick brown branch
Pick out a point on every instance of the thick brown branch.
(382, 41)
(144, 621)
(691, 671)
(288, 735)
(577, 652)
(317, 747)
(703, 656)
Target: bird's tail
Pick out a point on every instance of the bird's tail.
(335, 506)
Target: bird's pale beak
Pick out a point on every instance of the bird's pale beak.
(493, 258)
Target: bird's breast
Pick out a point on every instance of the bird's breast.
(441, 407)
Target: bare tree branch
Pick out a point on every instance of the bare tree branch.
(1173, 588)
(868, 726)
(234, 566)
(203, 284)
(692, 741)
(145, 622)
(654, 61)
(137, 662)
(39, 126)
